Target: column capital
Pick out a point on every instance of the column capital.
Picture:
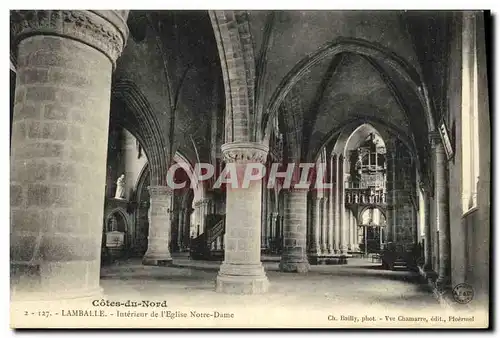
(105, 30)
(244, 152)
(202, 201)
(434, 138)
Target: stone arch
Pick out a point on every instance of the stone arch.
(122, 213)
(144, 125)
(340, 135)
(343, 142)
(198, 192)
(234, 42)
(187, 166)
(141, 201)
(361, 210)
(374, 52)
(141, 179)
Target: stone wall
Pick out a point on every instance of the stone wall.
(470, 231)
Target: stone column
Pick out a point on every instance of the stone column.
(315, 249)
(344, 226)
(159, 214)
(330, 194)
(395, 195)
(202, 209)
(324, 228)
(442, 217)
(350, 233)
(414, 225)
(273, 219)
(264, 218)
(327, 224)
(242, 270)
(64, 60)
(197, 218)
(180, 229)
(269, 229)
(336, 192)
(294, 258)
(391, 202)
(380, 236)
(354, 233)
(187, 225)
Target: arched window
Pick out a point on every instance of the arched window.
(469, 116)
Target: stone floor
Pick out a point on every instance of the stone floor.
(319, 298)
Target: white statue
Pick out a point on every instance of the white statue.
(120, 187)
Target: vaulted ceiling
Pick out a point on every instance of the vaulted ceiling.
(346, 86)
(290, 36)
(173, 58)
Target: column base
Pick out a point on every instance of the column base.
(355, 248)
(157, 260)
(242, 279)
(427, 268)
(301, 266)
(430, 276)
(314, 257)
(443, 283)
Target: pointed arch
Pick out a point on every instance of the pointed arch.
(342, 133)
(234, 42)
(144, 125)
(188, 167)
(377, 54)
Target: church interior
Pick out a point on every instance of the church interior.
(392, 105)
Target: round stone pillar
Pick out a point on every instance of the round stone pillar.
(64, 60)
(160, 226)
(315, 248)
(344, 225)
(274, 231)
(391, 189)
(242, 271)
(442, 216)
(427, 232)
(294, 257)
(180, 229)
(264, 218)
(336, 202)
(203, 208)
(324, 230)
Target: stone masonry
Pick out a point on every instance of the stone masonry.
(442, 216)
(58, 154)
(242, 272)
(294, 258)
(160, 220)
